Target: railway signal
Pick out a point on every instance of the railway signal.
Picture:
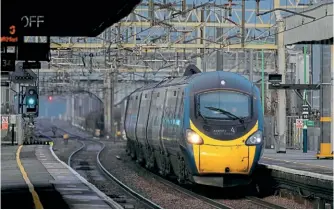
(31, 100)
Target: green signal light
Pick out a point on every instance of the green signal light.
(31, 101)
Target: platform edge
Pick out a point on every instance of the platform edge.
(298, 172)
(90, 185)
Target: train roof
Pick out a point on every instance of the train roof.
(221, 79)
(232, 79)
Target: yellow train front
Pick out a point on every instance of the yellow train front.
(205, 128)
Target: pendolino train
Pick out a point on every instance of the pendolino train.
(204, 128)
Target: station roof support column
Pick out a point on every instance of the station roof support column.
(315, 26)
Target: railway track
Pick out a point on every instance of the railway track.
(82, 152)
(85, 161)
(147, 202)
(216, 203)
(264, 204)
(212, 202)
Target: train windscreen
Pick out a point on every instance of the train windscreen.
(224, 105)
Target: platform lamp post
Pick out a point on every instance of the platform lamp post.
(305, 112)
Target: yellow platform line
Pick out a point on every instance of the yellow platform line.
(306, 164)
(37, 202)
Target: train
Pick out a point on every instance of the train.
(203, 128)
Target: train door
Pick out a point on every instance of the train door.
(128, 117)
(134, 116)
(150, 114)
(154, 123)
(156, 120)
(168, 135)
(140, 116)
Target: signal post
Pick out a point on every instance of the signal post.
(13, 49)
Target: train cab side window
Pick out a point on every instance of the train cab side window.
(174, 93)
(158, 94)
(145, 95)
(136, 97)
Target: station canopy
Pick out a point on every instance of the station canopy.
(315, 30)
(62, 17)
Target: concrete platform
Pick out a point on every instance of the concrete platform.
(39, 172)
(306, 163)
(300, 173)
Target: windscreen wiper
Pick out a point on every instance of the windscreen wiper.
(229, 114)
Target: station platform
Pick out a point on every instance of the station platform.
(32, 176)
(306, 163)
(301, 173)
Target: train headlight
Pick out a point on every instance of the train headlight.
(255, 139)
(193, 137)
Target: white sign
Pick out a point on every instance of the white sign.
(299, 123)
(10, 49)
(29, 21)
(4, 120)
(13, 119)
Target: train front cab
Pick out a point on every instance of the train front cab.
(225, 153)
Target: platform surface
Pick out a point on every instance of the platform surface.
(297, 160)
(49, 178)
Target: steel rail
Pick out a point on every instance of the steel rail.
(263, 203)
(104, 171)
